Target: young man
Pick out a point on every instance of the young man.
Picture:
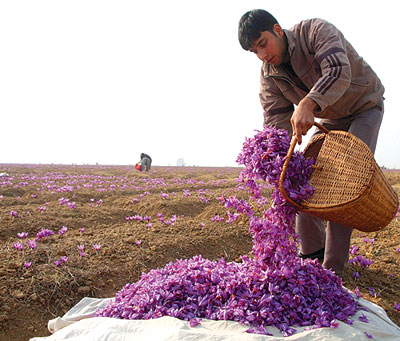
(313, 67)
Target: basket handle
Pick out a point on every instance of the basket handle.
(286, 164)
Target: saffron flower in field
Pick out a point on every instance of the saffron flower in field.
(22, 235)
(27, 265)
(356, 275)
(82, 253)
(82, 229)
(397, 306)
(63, 201)
(99, 202)
(44, 233)
(57, 262)
(18, 246)
(149, 225)
(81, 247)
(362, 261)
(64, 259)
(71, 204)
(62, 230)
(138, 242)
(96, 247)
(232, 217)
(14, 213)
(353, 249)
(31, 243)
(371, 241)
(398, 250)
(217, 217)
(373, 292)
(164, 195)
(202, 224)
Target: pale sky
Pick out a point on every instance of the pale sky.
(102, 81)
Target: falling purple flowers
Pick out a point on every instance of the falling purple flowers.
(273, 288)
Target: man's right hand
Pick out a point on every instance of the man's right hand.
(303, 118)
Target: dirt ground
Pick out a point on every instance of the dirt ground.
(106, 201)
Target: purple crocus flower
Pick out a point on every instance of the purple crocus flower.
(62, 230)
(31, 243)
(18, 246)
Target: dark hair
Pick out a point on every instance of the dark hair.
(252, 24)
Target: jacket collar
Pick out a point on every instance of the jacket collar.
(272, 70)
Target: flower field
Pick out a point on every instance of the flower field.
(67, 232)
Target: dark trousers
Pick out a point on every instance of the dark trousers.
(335, 237)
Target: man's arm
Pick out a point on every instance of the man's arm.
(329, 46)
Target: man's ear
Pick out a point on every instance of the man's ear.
(278, 30)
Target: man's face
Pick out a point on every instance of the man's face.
(271, 47)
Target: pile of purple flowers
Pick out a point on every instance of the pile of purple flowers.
(273, 287)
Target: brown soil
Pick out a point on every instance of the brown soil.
(30, 297)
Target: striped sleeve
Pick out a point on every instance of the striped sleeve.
(330, 52)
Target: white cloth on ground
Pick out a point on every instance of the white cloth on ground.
(78, 324)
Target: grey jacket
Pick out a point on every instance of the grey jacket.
(328, 70)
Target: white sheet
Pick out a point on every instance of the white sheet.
(78, 325)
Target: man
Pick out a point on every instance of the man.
(145, 161)
(313, 67)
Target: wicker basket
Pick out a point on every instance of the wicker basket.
(350, 188)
